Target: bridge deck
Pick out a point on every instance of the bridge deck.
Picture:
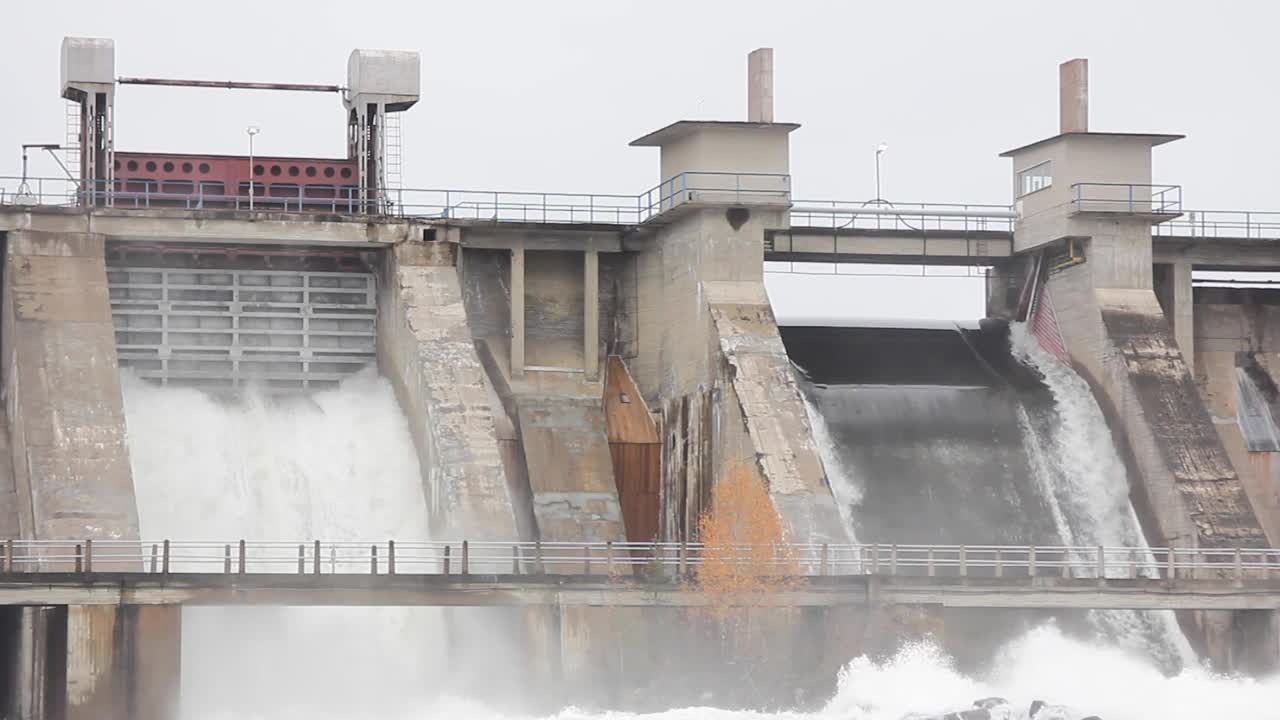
(209, 589)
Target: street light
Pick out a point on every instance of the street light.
(879, 151)
(251, 131)
(24, 194)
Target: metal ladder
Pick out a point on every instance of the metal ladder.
(72, 146)
(394, 140)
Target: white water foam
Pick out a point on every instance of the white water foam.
(1087, 485)
(1075, 678)
(1082, 678)
(335, 465)
(847, 490)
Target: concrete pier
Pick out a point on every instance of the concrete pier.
(63, 392)
(425, 347)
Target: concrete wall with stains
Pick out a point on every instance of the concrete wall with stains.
(426, 349)
(62, 391)
(1239, 331)
(710, 359)
(71, 477)
(1186, 488)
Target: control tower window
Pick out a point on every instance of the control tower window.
(1035, 178)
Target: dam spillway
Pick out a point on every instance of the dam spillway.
(299, 349)
(336, 464)
(973, 435)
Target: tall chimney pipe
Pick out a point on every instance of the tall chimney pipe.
(760, 86)
(1073, 98)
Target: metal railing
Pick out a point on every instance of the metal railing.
(1129, 198)
(521, 558)
(881, 215)
(484, 205)
(1223, 224)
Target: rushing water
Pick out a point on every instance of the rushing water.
(335, 465)
(1009, 448)
(1087, 484)
(340, 465)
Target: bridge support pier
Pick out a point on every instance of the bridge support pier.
(122, 662)
(93, 663)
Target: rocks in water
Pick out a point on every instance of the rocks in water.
(997, 708)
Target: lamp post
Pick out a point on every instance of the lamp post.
(251, 131)
(879, 151)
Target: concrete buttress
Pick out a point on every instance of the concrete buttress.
(72, 479)
(425, 348)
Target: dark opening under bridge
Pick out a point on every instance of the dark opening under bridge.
(633, 574)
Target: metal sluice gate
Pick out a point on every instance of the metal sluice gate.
(286, 320)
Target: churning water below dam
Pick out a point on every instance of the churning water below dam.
(339, 464)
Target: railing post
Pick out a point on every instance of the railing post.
(79, 558)
(164, 560)
(445, 561)
(1031, 561)
(226, 559)
(964, 561)
(466, 558)
(88, 555)
(315, 560)
(537, 557)
(893, 559)
(515, 560)
(1171, 571)
(875, 559)
(391, 557)
(1239, 563)
(929, 561)
(608, 556)
(684, 558)
(8, 556)
(302, 559)
(242, 557)
(155, 557)
(586, 560)
(822, 560)
(999, 564)
(373, 559)
(1102, 565)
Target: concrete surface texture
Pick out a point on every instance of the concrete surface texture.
(1235, 337)
(1207, 484)
(711, 359)
(425, 347)
(570, 469)
(1186, 488)
(63, 392)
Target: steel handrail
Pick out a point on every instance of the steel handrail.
(22, 557)
(1136, 198)
(539, 207)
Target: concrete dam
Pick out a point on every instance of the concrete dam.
(294, 366)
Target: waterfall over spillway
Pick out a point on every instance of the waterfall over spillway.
(950, 436)
(334, 465)
(1080, 471)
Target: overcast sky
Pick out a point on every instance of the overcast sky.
(546, 95)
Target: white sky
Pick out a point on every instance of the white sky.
(545, 95)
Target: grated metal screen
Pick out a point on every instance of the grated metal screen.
(285, 329)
